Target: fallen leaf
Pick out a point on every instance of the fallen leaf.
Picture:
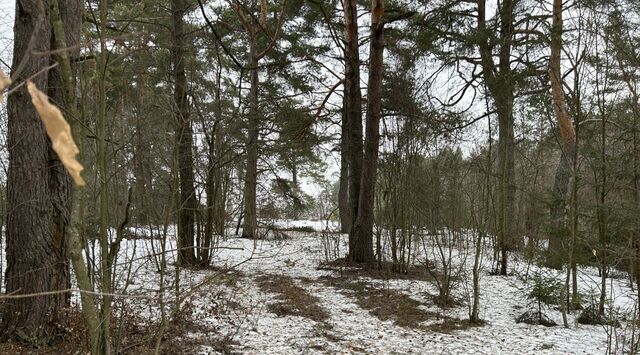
(4, 82)
(59, 132)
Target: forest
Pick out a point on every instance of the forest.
(319, 177)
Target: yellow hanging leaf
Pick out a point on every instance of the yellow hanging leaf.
(4, 82)
(59, 132)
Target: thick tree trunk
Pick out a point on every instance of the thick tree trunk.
(636, 202)
(362, 230)
(33, 257)
(500, 84)
(250, 225)
(559, 230)
(503, 92)
(353, 113)
(506, 184)
(184, 136)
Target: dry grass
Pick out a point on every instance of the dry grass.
(451, 325)
(384, 304)
(446, 302)
(293, 300)
(377, 271)
(131, 335)
(387, 304)
(396, 306)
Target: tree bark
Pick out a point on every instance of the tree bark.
(636, 200)
(184, 135)
(506, 184)
(362, 230)
(343, 192)
(602, 215)
(250, 225)
(35, 319)
(500, 84)
(104, 341)
(41, 218)
(32, 259)
(221, 177)
(65, 23)
(564, 169)
(353, 114)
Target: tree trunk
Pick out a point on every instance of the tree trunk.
(636, 192)
(353, 113)
(499, 81)
(564, 171)
(104, 342)
(142, 160)
(184, 136)
(65, 23)
(343, 192)
(575, 297)
(208, 226)
(37, 202)
(250, 225)
(558, 224)
(603, 214)
(214, 185)
(636, 202)
(506, 186)
(254, 31)
(362, 231)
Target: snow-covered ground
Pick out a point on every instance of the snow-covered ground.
(228, 302)
(350, 328)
